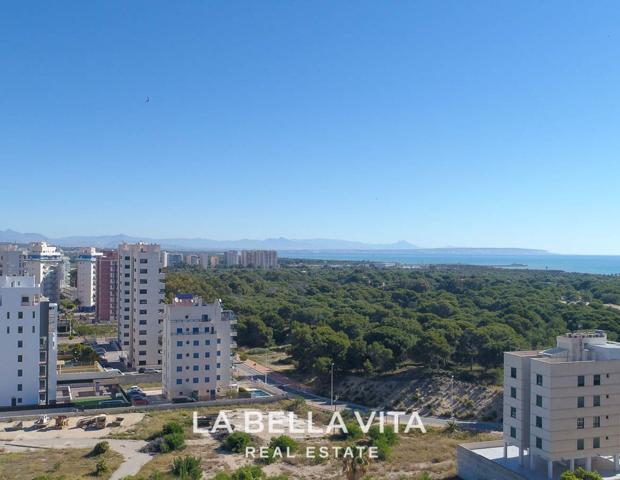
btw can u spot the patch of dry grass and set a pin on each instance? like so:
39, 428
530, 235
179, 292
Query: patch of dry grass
69, 464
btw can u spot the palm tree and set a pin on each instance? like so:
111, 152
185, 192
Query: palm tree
355, 467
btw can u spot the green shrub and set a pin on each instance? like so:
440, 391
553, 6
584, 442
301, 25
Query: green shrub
384, 450
388, 434
187, 467
251, 472
100, 448
171, 427
237, 442
284, 442
172, 441
354, 431
221, 476
101, 467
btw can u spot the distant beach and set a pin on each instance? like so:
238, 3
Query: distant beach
597, 264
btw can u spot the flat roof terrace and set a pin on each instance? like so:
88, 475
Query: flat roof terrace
485, 461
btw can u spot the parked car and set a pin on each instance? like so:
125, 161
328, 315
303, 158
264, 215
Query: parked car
111, 403
138, 401
183, 400
135, 394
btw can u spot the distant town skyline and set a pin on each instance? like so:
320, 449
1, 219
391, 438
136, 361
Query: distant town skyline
473, 124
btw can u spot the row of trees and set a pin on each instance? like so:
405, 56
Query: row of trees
373, 320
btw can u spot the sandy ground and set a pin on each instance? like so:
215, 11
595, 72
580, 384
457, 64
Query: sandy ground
73, 437
28, 433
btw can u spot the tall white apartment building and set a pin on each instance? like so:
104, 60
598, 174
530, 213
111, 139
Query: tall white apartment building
562, 405
259, 258
28, 349
231, 258
198, 340
49, 268
12, 259
87, 276
140, 303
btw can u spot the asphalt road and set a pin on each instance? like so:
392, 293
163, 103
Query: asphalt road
325, 404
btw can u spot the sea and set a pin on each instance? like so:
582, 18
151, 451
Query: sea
596, 264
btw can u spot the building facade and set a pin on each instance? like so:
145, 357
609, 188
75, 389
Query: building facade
197, 348
49, 268
259, 258
86, 276
106, 270
12, 259
231, 258
562, 405
28, 340
140, 303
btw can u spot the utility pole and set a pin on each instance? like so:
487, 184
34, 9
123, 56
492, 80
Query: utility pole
331, 397
452, 397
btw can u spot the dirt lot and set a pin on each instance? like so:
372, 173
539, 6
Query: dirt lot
28, 433
69, 464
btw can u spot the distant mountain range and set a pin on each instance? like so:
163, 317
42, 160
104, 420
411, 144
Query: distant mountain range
282, 244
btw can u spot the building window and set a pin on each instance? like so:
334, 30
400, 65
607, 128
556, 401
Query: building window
539, 379
179, 356
580, 423
580, 444
179, 381
597, 401
539, 443
179, 343
207, 379
195, 368
20, 373
596, 422
581, 381
539, 422
580, 402
20, 315
20, 329
20, 343
195, 380
20, 358
596, 442
179, 369
513, 392
538, 401
513, 372
196, 355
19, 387
597, 379
513, 412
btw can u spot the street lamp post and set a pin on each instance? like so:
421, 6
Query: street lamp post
452, 397
331, 396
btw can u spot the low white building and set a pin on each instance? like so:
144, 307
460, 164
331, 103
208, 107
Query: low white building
28, 347
197, 348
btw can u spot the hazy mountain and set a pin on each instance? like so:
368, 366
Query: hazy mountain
110, 241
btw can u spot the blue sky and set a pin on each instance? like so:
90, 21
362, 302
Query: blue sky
439, 122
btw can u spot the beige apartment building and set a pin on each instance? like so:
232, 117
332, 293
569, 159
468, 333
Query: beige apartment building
197, 348
562, 405
140, 303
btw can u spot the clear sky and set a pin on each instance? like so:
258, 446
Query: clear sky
463, 123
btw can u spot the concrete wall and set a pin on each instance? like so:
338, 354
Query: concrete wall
471, 466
